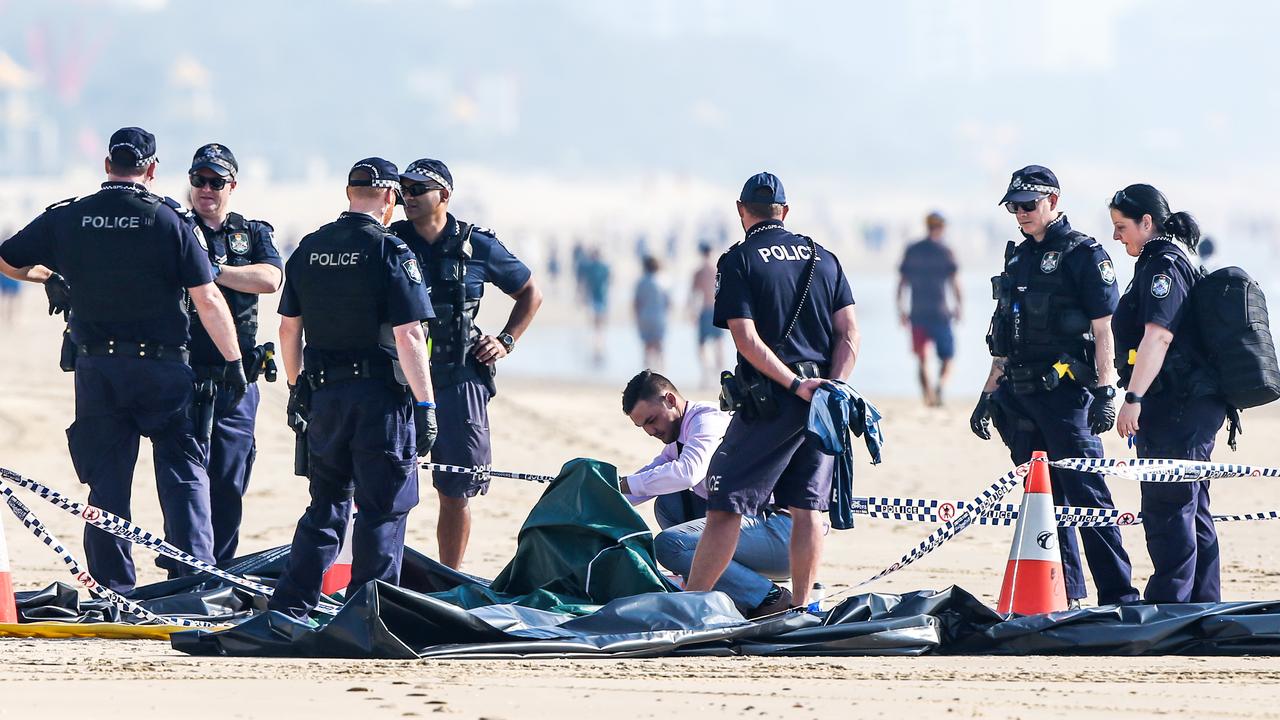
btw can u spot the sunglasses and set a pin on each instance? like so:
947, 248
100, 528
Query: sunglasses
1027, 206
216, 183
417, 189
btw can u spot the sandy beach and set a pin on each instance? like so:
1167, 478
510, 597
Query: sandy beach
537, 426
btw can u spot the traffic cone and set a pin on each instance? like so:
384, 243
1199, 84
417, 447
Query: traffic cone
8, 608
338, 576
1033, 580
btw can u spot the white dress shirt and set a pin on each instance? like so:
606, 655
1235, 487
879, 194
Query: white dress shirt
682, 465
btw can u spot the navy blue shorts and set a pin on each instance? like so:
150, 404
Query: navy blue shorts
759, 458
938, 332
462, 409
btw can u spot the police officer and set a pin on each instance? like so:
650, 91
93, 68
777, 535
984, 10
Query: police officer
127, 254
357, 295
458, 258
245, 264
1172, 408
1050, 382
788, 305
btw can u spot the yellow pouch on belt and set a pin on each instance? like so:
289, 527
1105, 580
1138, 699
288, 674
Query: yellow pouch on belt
1133, 357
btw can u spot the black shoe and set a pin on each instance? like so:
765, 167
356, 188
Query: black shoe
778, 600
1073, 604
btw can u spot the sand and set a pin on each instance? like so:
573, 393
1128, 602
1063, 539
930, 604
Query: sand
537, 426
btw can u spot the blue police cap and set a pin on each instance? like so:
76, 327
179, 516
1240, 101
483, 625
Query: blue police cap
217, 158
432, 172
375, 172
763, 188
1031, 183
132, 147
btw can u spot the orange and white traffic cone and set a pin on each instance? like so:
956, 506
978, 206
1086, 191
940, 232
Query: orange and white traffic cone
8, 607
338, 576
1033, 580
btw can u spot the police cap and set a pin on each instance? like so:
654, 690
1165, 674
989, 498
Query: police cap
132, 147
217, 158
1031, 183
763, 188
376, 172
431, 172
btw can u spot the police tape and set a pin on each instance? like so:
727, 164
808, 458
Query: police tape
127, 530
485, 471
123, 604
925, 510
1164, 470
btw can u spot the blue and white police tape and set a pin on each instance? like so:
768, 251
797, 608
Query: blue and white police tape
127, 530
123, 604
1162, 470
485, 471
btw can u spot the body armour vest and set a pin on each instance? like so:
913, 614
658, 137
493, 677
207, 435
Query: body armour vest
115, 259
453, 330
341, 285
1038, 317
233, 246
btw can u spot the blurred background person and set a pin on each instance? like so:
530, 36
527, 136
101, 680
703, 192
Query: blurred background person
594, 274
928, 268
702, 300
652, 304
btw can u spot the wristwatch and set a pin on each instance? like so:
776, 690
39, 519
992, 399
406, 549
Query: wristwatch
1106, 391
1132, 398
508, 342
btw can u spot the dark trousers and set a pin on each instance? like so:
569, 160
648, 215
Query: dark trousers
362, 446
119, 400
228, 457
1176, 518
1056, 421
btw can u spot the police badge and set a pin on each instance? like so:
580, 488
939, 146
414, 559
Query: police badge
411, 269
1108, 272
239, 243
1049, 262
1160, 285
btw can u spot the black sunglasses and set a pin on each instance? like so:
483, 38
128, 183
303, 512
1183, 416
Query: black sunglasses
417, 189
216, 183
1027, 206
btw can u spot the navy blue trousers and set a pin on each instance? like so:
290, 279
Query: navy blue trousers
1056, 421
119, 400
361, 445
1181, 538
228, 457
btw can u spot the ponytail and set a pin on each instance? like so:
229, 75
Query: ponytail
1184, 227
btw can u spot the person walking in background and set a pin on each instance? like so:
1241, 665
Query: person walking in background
652, 303
702, 300
928, 268
595, 286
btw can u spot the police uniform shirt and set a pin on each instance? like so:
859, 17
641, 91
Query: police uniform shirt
490, 261
762, 278
1162, 279
238, 243
405, 300
111, 218
1088, 268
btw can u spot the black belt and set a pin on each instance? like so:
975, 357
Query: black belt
342, 372
131, 349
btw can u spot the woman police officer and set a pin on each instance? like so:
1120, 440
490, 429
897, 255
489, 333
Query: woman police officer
1171, 409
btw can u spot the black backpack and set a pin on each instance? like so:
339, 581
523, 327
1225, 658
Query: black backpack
1230, 312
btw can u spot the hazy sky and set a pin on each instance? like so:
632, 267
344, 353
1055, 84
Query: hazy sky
929, 94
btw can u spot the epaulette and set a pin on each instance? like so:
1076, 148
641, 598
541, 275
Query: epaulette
62, 203
178, 208
484, 230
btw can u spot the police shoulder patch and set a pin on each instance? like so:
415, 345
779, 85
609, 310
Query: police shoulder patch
238, 243
1049, 261
1161, 284
717, 291
412, 270
1107, 271
195, 228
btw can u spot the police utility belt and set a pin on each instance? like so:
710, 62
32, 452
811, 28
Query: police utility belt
755, 397
1031, 377
342, 372
131, 349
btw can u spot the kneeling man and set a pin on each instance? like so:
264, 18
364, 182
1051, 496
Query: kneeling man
691, 432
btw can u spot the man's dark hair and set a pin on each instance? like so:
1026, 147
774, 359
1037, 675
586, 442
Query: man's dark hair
763, 210
128, 170
647, 385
